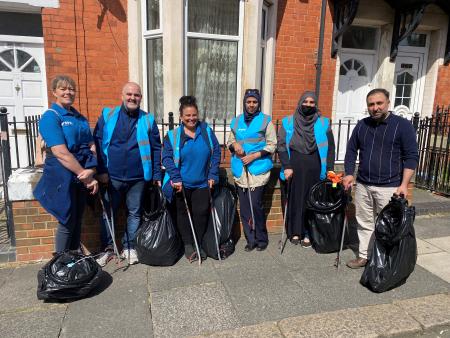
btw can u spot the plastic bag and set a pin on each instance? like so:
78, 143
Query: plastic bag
157, 240
325, 216
225, 209
68, 276
394, 252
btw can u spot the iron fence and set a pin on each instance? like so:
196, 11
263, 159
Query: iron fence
433, 171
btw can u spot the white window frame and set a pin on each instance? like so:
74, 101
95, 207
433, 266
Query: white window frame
148, 35
219, 37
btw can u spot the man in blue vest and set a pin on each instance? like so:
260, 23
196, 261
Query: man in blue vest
129, 155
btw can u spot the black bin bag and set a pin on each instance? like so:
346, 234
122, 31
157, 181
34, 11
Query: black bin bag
325, 216
394, 252
157, 240
68, 276
225, 208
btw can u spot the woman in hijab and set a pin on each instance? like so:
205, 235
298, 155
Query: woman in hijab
306, 151
252, 141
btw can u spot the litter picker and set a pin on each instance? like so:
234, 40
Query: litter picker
252, 220
110, 222
192, 228
348, 199
214, 222
283, 240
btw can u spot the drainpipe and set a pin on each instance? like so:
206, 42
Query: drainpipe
320, 49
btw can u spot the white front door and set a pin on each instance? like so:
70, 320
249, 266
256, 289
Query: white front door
355, 80
408, 84
23, 90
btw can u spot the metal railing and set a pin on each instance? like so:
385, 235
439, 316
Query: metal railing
433, 171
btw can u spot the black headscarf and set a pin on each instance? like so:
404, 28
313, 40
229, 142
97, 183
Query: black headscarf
304, 140
248, 118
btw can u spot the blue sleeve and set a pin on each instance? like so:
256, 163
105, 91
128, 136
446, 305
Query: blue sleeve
98, 139
352, 151
168, 163
50, 129
409, 151
215, 159
155, 142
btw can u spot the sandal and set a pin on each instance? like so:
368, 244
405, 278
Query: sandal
193, 257
295, 240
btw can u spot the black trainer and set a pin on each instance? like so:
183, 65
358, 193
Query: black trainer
249, 247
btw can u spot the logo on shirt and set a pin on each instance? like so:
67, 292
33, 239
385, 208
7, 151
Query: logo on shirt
66, 123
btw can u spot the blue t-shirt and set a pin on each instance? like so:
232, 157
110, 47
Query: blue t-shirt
194, 159
67, 127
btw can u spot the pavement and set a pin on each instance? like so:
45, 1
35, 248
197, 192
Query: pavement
256, 294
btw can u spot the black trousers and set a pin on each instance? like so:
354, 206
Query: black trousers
198, 202
306, 173
259, 235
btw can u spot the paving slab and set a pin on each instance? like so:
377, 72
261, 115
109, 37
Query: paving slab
19, 288
264, 330
119, 307
370, 321
192, 310
429, 311
425, 247
441, 242
437, 263
182, 274
4, 274
432, 226
39, 323
266, 293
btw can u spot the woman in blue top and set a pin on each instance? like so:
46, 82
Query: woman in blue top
191, 156
69, 165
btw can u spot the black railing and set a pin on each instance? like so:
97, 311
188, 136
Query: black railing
433, 172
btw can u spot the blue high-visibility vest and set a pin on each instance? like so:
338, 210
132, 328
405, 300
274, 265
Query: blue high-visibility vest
252, 138
320, 133
144, 127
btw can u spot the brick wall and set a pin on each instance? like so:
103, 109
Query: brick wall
90, 44
442, 96
298, 26
35, 229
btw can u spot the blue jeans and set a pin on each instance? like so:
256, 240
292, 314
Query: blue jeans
68, 235
133, 192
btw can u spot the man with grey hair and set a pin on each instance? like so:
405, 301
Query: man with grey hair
388, 156
129, 155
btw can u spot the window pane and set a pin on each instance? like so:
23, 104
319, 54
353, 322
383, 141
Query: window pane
214, 16
20, 24
4, 67
414, 40
8, 56
398, 102
152, 14
32, 67
212, 76
155, 77
342, 70
407, 90
22, 57
359, 38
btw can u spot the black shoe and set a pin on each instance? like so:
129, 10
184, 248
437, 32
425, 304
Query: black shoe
261, 247
249, 247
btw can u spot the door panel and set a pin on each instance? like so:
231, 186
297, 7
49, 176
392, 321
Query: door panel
23, 89
355, 78
407, 96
